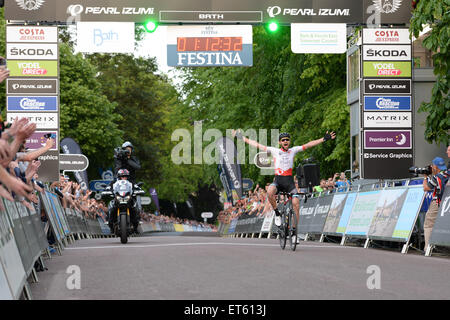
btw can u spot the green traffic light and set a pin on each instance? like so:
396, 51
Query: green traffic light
273, 26
150, 26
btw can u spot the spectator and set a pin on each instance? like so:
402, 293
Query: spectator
342, 184
322, 187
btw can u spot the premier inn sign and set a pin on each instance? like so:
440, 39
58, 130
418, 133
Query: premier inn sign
284, 11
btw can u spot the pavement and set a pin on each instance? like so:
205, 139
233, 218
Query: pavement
181, 267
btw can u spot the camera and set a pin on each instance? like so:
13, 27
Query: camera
120, 153
427, 170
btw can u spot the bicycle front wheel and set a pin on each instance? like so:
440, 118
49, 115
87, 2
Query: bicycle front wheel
283, 231
292, 234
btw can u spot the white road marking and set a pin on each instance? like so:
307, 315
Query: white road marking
199, 244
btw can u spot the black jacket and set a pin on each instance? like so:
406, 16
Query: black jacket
131, 164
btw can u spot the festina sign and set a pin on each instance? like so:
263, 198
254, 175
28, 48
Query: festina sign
284, 11
209, 46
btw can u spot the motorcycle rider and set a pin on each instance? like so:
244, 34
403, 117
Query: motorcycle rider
123, 174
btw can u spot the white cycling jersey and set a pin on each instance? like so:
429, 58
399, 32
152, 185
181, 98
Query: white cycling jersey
284, 160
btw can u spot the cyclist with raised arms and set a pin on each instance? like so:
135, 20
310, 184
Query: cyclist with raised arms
283, 160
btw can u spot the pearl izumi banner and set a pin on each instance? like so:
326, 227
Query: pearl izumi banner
207, 11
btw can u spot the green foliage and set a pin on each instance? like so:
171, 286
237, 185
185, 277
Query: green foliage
303, 94
436, 13
87, 115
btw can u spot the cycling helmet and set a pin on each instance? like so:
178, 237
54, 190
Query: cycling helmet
284, 135
123, 173
127, 144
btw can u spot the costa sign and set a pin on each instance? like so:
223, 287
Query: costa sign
386, 36
32, 51
387, 53
31, 34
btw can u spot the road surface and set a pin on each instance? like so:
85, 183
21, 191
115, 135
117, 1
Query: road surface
204, 268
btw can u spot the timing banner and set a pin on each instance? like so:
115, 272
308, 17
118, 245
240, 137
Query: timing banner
210, 11
441, 230
210, 46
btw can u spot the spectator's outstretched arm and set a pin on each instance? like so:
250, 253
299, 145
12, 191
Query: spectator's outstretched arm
30, 156
14, 184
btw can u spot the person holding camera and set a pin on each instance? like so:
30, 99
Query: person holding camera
124, 159
436, 184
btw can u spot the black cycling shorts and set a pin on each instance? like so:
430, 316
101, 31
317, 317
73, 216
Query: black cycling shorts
285, 184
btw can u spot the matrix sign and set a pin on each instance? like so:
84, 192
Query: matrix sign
209, 46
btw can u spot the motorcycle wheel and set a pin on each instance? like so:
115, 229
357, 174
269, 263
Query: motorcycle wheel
123, 229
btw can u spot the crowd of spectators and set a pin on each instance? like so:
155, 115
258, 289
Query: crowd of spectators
73, 196
337, 183
171, 219
257, 204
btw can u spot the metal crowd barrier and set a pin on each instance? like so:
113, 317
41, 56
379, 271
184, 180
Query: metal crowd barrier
27, 237
373, 212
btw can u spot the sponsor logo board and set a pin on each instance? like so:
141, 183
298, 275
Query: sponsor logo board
387, 139
31, 34
209, 46
32, 51
386, 36
32, 86
318, 38
32, 103
39, 68
387, 52
37, 140
387, 103
387, 119
42, 120
105, 37
387, 86
394, 69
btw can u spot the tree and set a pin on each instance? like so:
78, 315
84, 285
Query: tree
436, 14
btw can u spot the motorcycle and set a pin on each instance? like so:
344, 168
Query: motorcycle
124, 195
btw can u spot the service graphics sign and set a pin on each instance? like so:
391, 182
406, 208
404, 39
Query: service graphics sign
387, 139
32, 86
387, 53
105, 37
210, 46
32, 103
41, 68
387, 119
318, 38
32, 51
393, 103
387, 86
394, 69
